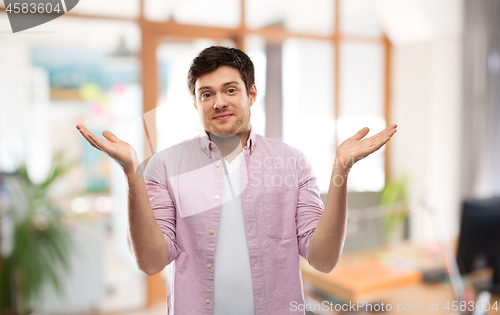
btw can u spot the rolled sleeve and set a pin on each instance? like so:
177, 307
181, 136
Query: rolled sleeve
309, 206
163, 206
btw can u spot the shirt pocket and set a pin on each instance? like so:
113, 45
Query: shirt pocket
278, 210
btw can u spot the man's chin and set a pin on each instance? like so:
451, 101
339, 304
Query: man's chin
222, 132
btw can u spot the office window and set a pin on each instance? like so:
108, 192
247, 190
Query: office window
176, 117
308, 119
361, 104
256, 50
219, 13
311, 17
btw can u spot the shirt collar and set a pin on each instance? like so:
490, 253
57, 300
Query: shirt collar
205, 143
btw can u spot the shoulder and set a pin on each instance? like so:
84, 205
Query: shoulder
276, 147
281, 152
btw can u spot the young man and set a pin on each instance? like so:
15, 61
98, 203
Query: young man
231, 211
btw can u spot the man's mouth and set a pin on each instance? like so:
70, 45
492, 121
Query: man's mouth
223, 116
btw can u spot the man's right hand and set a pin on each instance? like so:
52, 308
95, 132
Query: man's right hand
118, 150
146, 241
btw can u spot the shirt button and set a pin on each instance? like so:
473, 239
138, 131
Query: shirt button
212, 146
246, 193
216, 197
259, 296
217, 164
211, 231
251, 228
208, 301
209, 265
255, 262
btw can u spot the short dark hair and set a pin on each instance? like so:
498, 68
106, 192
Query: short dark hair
213, 57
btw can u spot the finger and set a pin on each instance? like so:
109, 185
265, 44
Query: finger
361, 133
110, 136
382, 142
378, 140
390, 131
82, 129
95, 141
101, 143
372, 147
387, 132
92, 143
89, 140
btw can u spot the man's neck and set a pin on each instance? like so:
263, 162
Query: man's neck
230, 146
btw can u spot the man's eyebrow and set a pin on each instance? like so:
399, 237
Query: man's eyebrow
225, 84
231, 82
204, 88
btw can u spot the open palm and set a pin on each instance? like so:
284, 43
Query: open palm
119, 150
356, 148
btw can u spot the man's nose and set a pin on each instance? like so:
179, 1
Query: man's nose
220, 101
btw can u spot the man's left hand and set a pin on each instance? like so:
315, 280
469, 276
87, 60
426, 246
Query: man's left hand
356, 148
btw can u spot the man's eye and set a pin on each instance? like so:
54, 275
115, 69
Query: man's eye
206, 95
231, 90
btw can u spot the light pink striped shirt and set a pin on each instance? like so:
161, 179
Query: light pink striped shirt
281, 205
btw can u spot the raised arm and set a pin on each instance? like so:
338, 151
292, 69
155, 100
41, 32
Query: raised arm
327, 240
145, 239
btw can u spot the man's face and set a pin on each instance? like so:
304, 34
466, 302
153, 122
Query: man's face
222, 101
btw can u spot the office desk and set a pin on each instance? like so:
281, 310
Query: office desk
414, 298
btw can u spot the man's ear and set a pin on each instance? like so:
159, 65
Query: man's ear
253, 94
194, 103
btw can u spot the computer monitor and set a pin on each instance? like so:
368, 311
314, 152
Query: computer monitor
479, 239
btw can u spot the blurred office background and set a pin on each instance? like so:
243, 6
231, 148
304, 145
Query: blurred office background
324, 70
